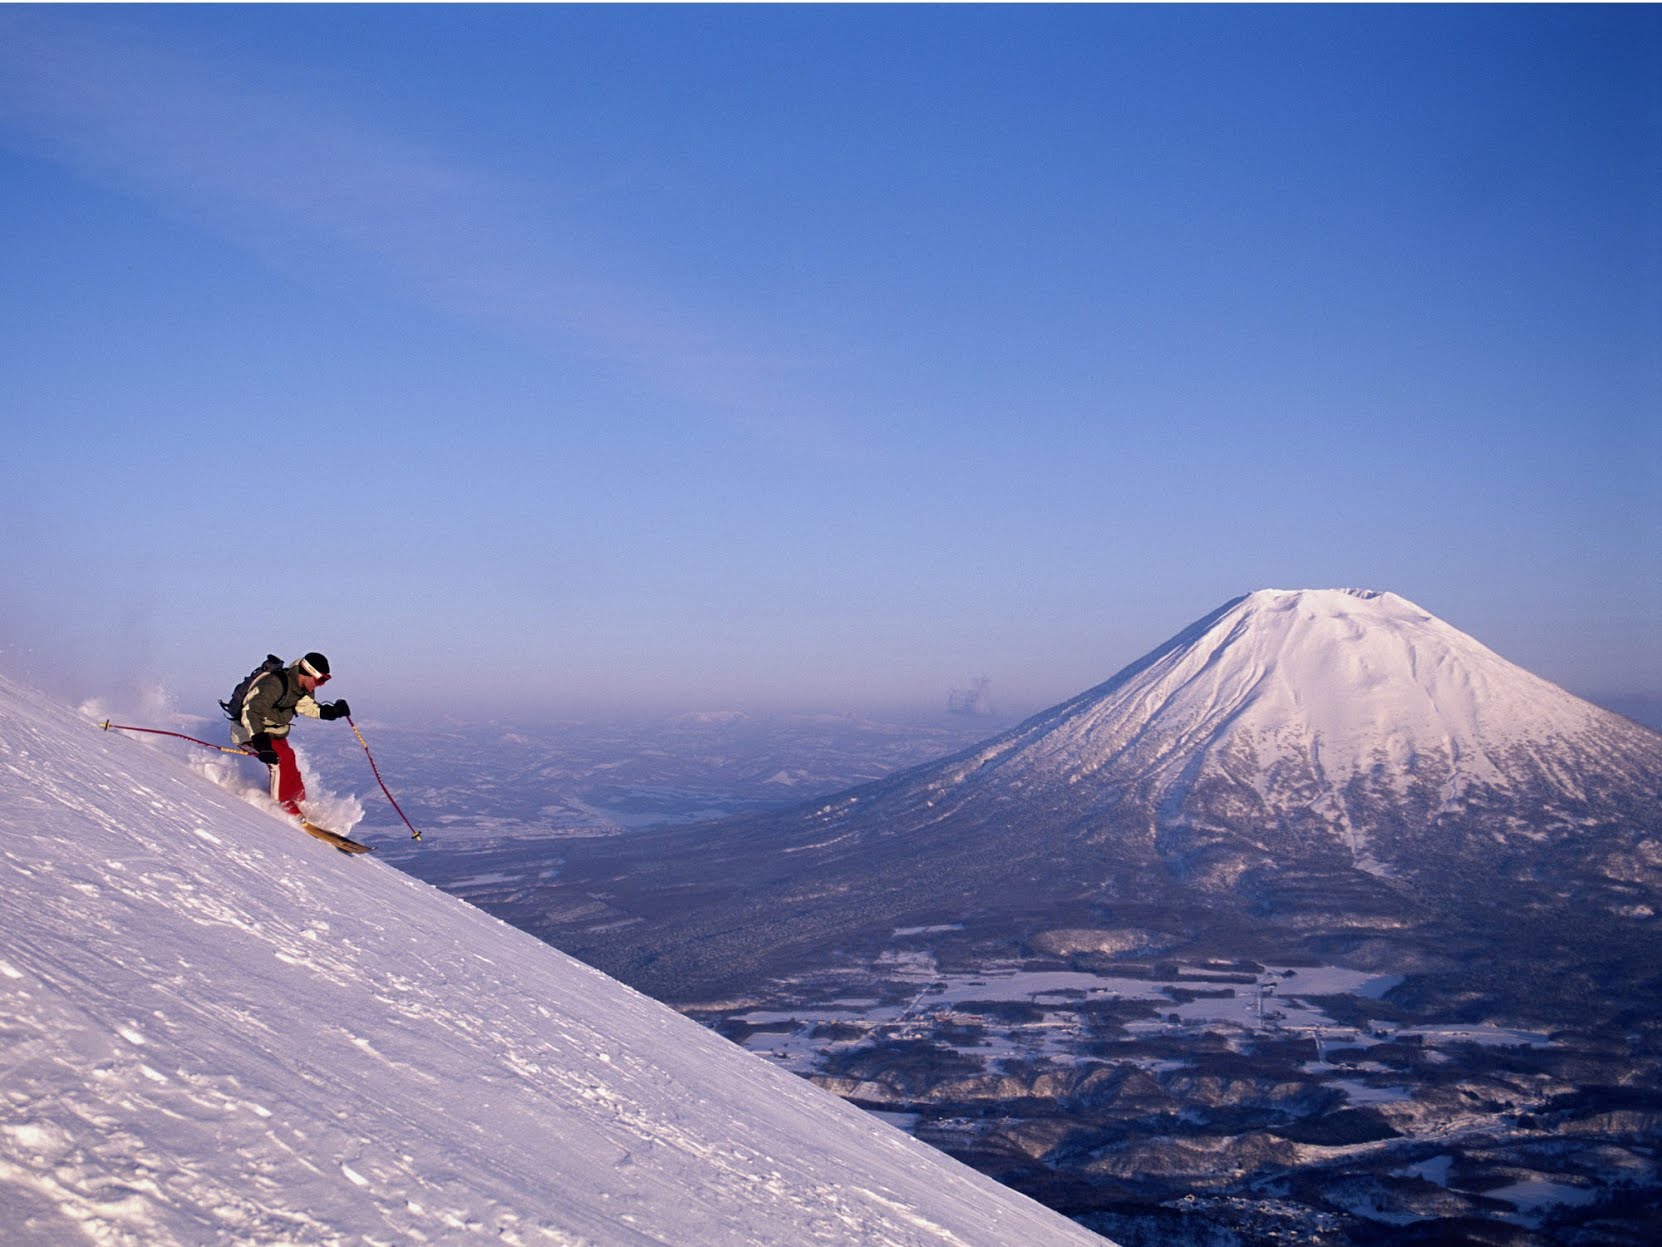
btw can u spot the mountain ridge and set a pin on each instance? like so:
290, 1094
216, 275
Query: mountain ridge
1309, 756
1350, 682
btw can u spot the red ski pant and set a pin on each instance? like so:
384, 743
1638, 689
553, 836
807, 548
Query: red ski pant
287, 788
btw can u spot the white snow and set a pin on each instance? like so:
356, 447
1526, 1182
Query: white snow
216, 1030
1295, 693
1352, 676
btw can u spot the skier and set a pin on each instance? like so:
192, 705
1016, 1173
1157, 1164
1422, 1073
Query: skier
273, 697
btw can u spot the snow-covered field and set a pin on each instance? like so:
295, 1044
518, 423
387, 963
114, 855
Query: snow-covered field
1279, 998
214, 1029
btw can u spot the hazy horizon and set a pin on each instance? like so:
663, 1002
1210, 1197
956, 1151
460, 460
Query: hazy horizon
395, 703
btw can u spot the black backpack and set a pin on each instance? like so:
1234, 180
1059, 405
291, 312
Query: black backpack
232, 706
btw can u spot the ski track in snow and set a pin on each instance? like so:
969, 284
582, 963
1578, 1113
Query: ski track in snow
215, 1030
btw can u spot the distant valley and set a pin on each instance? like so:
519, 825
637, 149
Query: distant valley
1168, 1085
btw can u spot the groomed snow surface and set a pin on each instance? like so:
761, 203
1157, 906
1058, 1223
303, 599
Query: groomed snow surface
216, 1030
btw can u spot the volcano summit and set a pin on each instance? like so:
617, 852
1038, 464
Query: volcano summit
1334, 710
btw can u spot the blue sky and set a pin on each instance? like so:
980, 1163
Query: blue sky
618, 358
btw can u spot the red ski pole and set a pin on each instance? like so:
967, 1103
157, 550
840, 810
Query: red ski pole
156, 731
414, 834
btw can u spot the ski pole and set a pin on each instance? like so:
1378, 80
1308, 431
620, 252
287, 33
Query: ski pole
156, 731
414, 834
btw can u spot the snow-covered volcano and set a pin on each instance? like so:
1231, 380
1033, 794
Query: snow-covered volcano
1324, 758
1338, 706
214, 1029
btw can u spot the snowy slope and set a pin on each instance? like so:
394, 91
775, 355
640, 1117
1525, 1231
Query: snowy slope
216, 1030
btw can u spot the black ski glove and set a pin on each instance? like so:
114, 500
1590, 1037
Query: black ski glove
261, 747
334, 710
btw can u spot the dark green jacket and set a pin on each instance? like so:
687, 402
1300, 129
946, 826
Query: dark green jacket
272, 702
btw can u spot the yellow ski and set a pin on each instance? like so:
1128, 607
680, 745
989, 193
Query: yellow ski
335, 838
